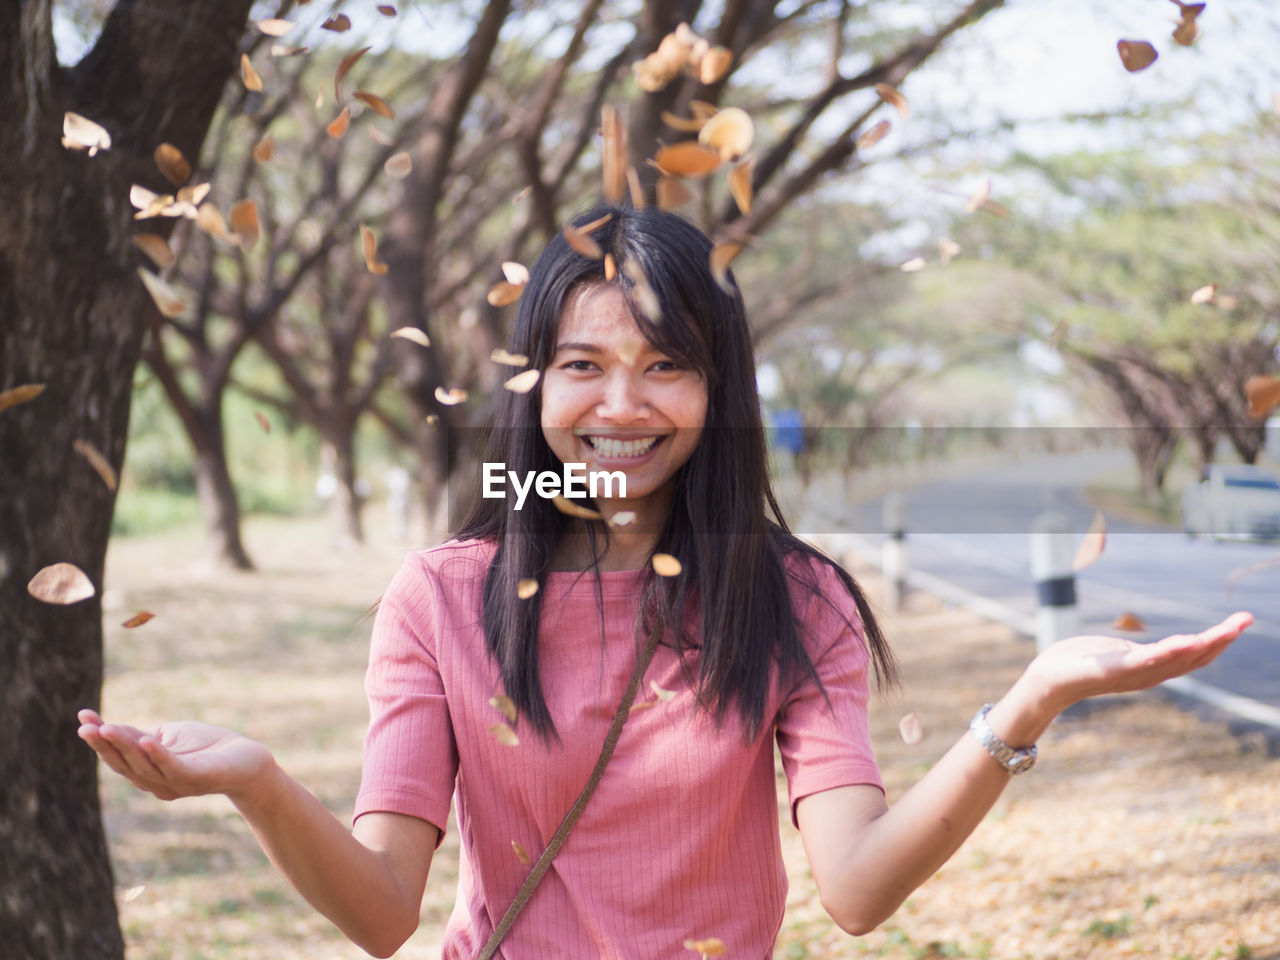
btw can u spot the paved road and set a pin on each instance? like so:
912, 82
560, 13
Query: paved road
973, 532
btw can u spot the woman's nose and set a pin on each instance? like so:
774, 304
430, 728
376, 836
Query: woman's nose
623, 397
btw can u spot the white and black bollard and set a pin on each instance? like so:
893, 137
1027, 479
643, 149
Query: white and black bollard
1052, 558
893, 555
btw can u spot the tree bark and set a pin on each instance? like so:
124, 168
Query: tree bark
219, 504
72, 317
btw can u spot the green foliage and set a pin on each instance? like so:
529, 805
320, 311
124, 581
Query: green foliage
1109, 929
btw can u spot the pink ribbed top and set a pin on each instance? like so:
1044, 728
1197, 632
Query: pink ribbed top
680, 839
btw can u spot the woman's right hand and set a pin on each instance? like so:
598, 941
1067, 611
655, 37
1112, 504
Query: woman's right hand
184, 759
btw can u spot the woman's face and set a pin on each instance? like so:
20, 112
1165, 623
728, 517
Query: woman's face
612, 401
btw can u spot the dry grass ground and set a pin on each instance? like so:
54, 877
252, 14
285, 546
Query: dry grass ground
1144, 831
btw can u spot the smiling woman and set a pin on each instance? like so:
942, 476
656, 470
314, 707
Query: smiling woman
507, 665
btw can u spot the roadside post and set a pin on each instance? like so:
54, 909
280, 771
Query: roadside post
1052, 555
893, 555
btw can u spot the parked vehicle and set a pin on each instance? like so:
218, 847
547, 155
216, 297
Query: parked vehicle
1234, 500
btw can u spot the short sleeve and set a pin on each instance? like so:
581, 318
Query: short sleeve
410, 754
825, 742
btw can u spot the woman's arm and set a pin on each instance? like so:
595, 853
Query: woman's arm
867, 858
369, 882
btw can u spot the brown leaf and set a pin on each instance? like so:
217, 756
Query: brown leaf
613, 162
137, 620
166, 298
520, 853
637, 191
890, 95
505, 705
1092, 545
643, 293
687, 159
1185, 32
249, 75
578, 238
1204, 294
264, 149
340, 23
386, 9
710, 947
504, 735
1263, 394
714, 65
338, 126
209, 219
451, 397
873, 136
344, 67
730, 133
910, 729
610, 268
263, 423
370, 244
722, 254
287, 50
672, 193
1136, 54
412, 334
1128, 621
398, 165
504, 293
519, 197
20, 394
243, 216
375, 103
740, 184
526, 588
62, 584
155, 247
665, 565
522, 382
509, 359
81, 133
569, 508
96, 460
172, 164
275, 27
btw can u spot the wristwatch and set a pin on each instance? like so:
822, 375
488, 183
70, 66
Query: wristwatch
1015, 761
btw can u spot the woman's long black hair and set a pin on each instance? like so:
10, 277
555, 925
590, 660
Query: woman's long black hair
724, 527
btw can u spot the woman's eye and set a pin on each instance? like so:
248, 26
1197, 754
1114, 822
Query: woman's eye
666, 366
577, 365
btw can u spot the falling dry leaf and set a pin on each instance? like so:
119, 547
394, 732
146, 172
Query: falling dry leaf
1263, 394
643, 293
948, 249
873, 136
133, 893
344, 67
375, 103
672, 193
665, 565
629, 350
413, 334
687, 159
722, 254
978, 197
641, 705
138, 619
510, 359
386, 9
96, 460
166, 298
683, 124
1092, 545
524, 192
209, 219
1136, 54
21, 394
172, 164
730, 133
62, 584
1185, 32
909, 727
504, 735
571, 509
398, 165
369, 242
578, 239
249, 75
263, 423
914, 265
81, 133
243, 216
613, 161
526, 588
431, 420
1204, 294
155, 247
890, 95
516, 273
274, 27
661, 693
450, 397
1239, 573
338, 24
610, 268
740, 179
710, 947
522, 382
287, 50
503, 293
714, 64
504, 704
637, 191
520, 853
623, 518
1128, 621
264, 149
338, 127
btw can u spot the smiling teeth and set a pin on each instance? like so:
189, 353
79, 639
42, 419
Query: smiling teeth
608, 447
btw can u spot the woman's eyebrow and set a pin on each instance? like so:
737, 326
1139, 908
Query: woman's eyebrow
585, 347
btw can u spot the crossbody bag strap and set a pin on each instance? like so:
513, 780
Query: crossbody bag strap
570, 818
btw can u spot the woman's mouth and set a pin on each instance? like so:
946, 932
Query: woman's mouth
612, 448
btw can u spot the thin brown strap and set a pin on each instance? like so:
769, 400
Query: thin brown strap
570, 818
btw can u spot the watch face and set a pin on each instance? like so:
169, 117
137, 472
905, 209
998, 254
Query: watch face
1023, 765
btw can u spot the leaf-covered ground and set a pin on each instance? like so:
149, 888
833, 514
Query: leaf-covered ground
1145, 830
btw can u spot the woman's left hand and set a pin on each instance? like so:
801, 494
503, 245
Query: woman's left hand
1089, 666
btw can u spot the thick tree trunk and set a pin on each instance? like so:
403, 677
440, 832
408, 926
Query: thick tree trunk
347, 504
72, 316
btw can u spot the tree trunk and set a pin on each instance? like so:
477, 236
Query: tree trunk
347, 504
219, 504
72, 317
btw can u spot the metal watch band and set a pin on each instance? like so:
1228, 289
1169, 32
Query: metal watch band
1015, 761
